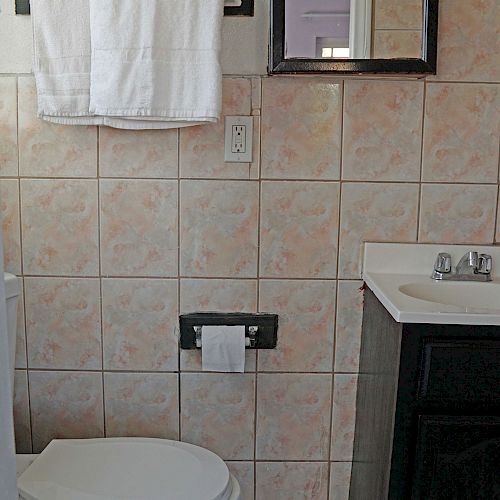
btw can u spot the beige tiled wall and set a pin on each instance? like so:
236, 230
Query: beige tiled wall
117, 232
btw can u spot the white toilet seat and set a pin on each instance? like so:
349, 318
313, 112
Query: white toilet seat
127, 469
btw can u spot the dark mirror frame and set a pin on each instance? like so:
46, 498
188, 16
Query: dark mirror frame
427, 65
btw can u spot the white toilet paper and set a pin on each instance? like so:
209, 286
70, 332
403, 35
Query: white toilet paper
223, 348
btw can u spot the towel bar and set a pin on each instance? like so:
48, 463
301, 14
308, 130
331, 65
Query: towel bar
233, 8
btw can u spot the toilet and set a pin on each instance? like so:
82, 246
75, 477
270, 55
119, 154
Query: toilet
117, 468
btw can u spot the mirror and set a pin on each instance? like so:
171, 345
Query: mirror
353, 36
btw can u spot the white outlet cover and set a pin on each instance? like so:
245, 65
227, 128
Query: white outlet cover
246, 155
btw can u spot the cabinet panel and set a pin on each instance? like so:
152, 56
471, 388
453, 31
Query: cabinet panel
462, 370
457, 458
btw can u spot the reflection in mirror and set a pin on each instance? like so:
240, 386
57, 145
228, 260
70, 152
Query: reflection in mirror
356, 29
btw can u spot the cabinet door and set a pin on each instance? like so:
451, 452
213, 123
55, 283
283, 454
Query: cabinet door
457, 458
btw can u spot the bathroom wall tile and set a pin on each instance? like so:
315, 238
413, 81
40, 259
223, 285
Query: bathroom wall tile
9, 213
292, 481
398, 14
256, 95
244, 474
344, 416
293, 416
457, 213
63, 326
348, 329
389, 44
219, 228
59, 227
306, 312
141, 405
139, 228
301, 128
21, 360
468, 41
50, 150
202, 147
8, 126
22, 425
382, 130
461, 133
139, 322
374, 212
217, 412
65, 405
205, 295
340, 478
299, 229
138, 153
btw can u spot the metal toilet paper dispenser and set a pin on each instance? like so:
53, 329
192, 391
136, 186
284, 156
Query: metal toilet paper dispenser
261, 330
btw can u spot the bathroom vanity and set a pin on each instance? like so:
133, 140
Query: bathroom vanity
428, 403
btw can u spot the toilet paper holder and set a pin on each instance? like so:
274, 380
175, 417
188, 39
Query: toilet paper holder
261, 330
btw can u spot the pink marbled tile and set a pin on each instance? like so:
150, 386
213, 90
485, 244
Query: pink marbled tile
65, 405
139, 321
457, 213
374, 212
306, 325
8, 126
348, 329
139, 228
299, 229
50, 150
202, 147
59, 227
398, 14
11, 226
21, 358
468, 40
389, 44
244, 474
217, 412
293, 416
138, 153
142, 405
343, 417
461, 133
292, 481
63, 326
382, 130
340, 479
219, 228
301, 128
22, 424
206, 295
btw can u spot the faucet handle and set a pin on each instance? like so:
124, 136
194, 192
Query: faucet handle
484, 264
443, 263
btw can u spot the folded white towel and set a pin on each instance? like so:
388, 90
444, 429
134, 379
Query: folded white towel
128, 63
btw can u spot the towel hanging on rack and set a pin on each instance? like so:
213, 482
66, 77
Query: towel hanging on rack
128, 64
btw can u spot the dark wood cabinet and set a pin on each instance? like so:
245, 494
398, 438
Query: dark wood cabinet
428, 411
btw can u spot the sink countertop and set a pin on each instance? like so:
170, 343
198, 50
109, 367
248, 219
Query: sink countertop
388, 267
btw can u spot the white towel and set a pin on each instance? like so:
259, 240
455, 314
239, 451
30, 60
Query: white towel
128, 63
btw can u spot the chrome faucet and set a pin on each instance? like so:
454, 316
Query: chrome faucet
471, 267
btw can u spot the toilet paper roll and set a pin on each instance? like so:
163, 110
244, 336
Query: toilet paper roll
223, 348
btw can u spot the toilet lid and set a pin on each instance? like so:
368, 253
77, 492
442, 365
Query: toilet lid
125, 469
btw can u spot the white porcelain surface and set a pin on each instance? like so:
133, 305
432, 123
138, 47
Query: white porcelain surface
132, 468
399, 276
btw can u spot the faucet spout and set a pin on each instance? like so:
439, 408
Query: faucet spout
468, 264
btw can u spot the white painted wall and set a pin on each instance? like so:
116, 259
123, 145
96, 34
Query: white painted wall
244, 50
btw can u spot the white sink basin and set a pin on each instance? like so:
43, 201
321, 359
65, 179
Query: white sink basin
468, 295
399, 276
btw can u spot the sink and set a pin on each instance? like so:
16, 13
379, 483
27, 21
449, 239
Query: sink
466, 295
399, 276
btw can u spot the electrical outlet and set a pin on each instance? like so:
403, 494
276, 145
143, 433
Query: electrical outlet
238, 139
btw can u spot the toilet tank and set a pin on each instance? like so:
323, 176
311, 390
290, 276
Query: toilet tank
12, 290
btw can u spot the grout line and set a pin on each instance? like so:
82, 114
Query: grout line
179, 353
420, 194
